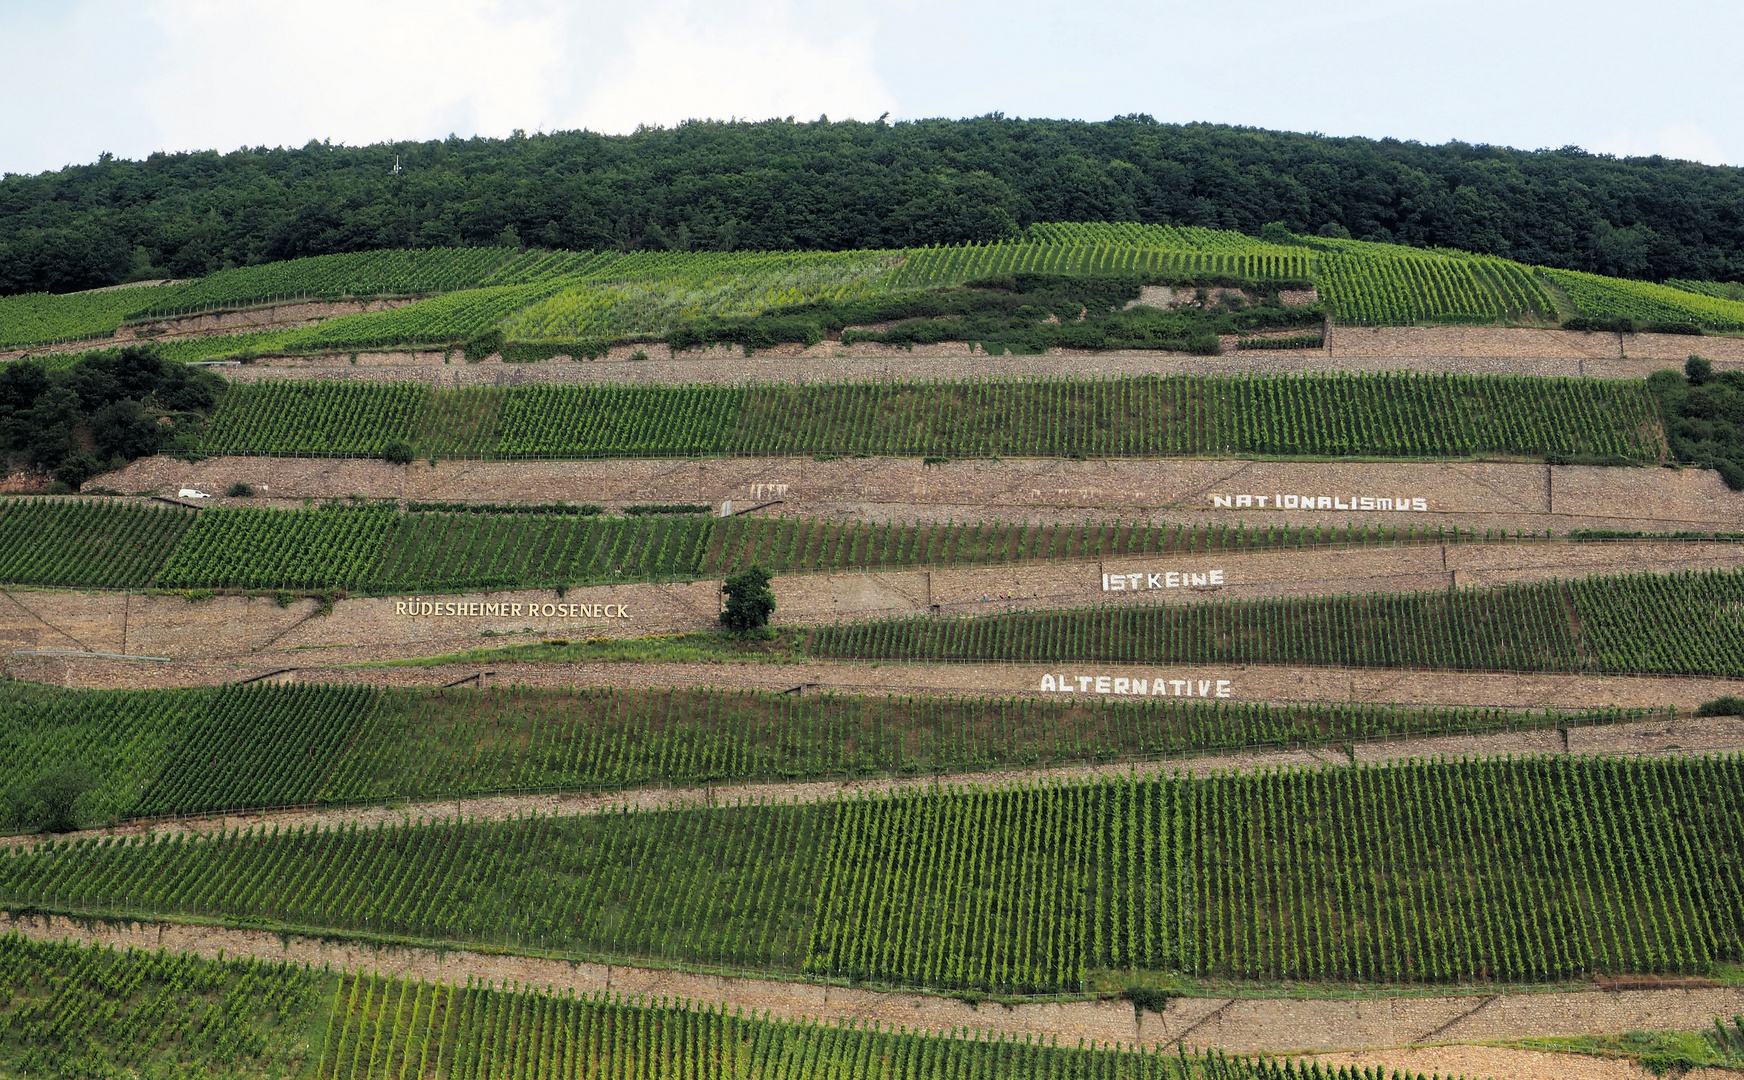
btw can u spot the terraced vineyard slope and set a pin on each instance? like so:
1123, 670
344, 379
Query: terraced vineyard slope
1524, 870
94, 1011
177, 752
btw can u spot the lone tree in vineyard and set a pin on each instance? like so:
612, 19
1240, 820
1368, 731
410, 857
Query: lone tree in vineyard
749, 600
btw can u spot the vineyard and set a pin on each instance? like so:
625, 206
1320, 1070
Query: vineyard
1719, 290
72, 1011
368, 548
590, 299
364, 274
1646, 305
1382, 415
387, 1029
1519, 870
1430, 288
379, 550
67, 1011
41, 318
705, 285
157, 752
97, 543
1676, 624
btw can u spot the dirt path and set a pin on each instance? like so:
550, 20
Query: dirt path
1235, 1025
1679, 737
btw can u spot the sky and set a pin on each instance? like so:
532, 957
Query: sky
84, 77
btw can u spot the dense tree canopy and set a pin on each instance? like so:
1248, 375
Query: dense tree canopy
780, 184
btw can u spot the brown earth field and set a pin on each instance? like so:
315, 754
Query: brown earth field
236, 626
1465, 494
1236, 1025
1663, 737
1467, 350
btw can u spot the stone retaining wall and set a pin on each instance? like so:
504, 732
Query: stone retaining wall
1481, 495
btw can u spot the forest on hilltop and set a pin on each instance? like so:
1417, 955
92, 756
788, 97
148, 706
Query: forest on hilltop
825, 185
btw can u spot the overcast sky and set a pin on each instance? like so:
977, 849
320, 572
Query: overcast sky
86, 76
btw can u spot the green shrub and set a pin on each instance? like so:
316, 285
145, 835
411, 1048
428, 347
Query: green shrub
750, 601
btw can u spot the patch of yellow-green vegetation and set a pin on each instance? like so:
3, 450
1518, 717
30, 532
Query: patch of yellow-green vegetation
1661, 1053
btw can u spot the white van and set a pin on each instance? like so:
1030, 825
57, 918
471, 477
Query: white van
190, 493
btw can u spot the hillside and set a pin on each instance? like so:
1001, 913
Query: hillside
837, 186
556, 653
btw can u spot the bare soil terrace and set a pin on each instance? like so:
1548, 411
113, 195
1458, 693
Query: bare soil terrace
1235, 1025
1466, 350
1479, 495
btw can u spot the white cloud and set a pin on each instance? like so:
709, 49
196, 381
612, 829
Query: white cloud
763, 58
251, 72
1687, 141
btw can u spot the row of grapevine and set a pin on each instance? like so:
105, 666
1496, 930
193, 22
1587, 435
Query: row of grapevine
798, 545
552, 420
73, 1011
1133, 234
1685, 624
250, 548
1535, 869
87, 543
424, 746
1386, 415
44, 318
259, 746
159, 752
97, 1011
1529, 869
1646, 303
315, 416
927, 268
117, 739
1719, 290
415, 272
110, 544
376, 549
1417, 287
388, 1029
440, 320
669, 886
